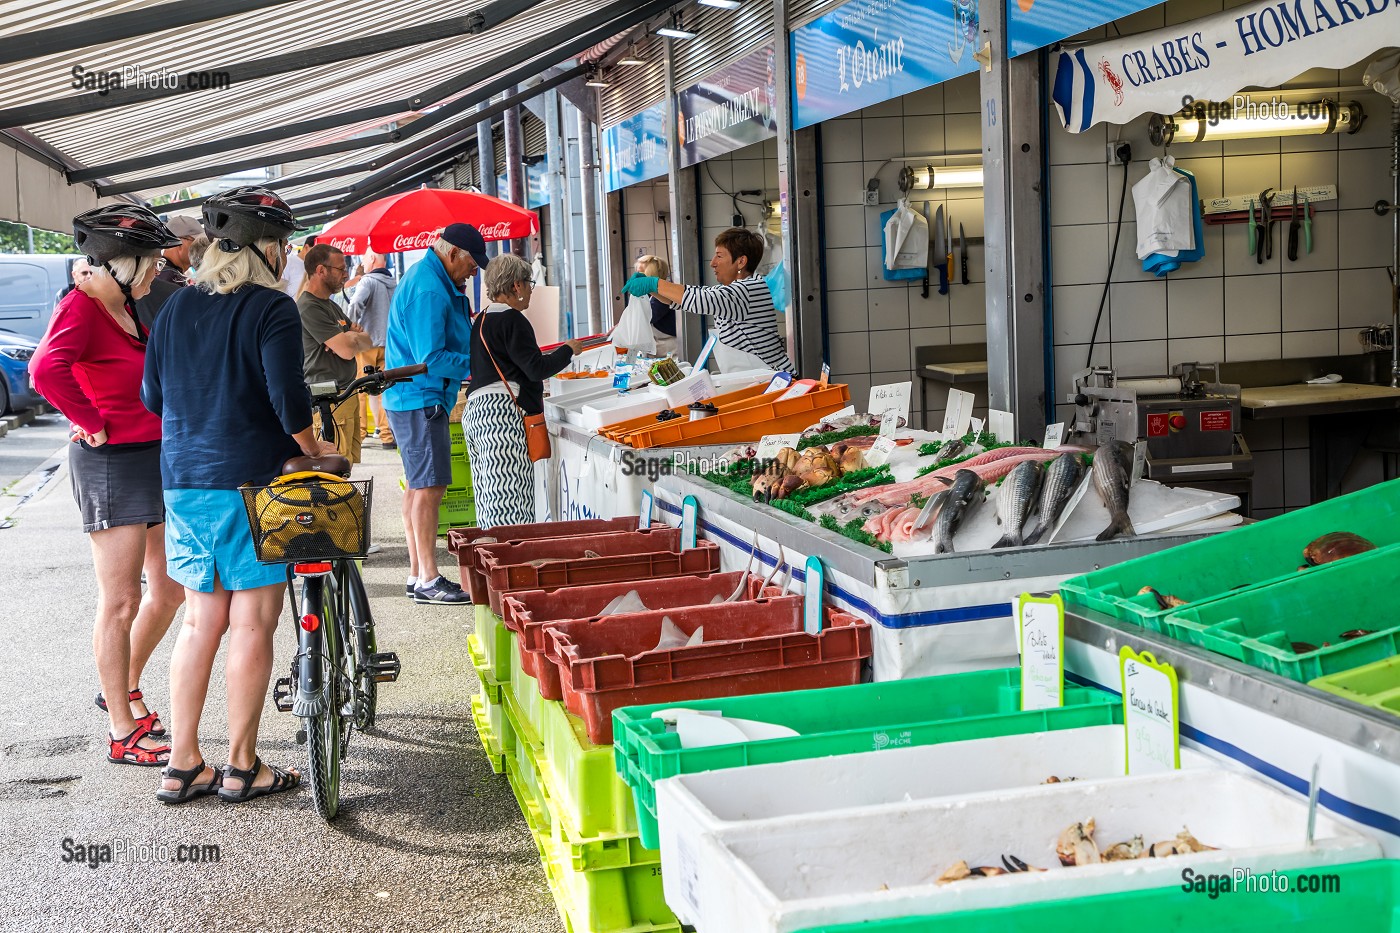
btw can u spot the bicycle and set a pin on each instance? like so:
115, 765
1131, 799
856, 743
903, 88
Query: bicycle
315, 520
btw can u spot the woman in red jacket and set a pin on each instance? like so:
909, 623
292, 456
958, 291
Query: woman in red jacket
89, 366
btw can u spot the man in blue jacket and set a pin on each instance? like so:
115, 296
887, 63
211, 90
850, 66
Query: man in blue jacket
430, 322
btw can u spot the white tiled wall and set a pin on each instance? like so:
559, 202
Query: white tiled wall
1225, 307
645, 234
875, 325
752, 168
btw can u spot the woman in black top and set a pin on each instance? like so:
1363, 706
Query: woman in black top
663, 313
507, 375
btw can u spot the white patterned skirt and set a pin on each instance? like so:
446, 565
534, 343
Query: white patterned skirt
503, 477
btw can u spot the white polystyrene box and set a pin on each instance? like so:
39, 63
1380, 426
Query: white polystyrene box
880, 862
693, 388
694, 805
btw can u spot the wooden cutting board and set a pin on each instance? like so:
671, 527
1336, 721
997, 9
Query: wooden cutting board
1294, 395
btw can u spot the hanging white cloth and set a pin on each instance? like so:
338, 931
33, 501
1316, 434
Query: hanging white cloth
1162, 200
906, 238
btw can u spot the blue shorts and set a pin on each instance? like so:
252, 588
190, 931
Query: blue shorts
425, 446
207, 536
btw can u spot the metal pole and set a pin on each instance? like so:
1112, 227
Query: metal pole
588, 169
515, 169
1013, 205
1395, 244
486, 161
685, 220
560, 217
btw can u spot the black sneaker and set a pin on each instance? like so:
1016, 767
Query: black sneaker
408, 589
441, 590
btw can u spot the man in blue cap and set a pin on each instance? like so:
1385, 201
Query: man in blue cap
430, 322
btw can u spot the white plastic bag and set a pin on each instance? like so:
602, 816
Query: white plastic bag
633, 330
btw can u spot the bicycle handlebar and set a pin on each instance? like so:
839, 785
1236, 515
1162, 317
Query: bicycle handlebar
376, 382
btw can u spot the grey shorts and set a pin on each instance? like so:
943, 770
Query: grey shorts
425, 446
117, 484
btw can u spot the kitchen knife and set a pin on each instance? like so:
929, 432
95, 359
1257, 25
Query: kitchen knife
940, 250
1294, 226
962, 252
1307, 224
928, 268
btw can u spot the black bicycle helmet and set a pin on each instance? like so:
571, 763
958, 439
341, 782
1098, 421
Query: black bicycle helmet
242, 216
106, 233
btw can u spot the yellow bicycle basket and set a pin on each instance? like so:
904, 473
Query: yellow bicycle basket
308, 516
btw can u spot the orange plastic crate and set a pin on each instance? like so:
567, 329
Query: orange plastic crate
750, 647
746, 420
464, 542
618, 430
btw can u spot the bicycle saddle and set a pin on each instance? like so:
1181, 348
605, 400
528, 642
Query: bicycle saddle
334, 464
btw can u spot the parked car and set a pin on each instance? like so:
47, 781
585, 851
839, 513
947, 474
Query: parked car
16, 391
30, 285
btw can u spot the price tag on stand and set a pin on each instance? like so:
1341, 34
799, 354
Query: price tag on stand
977, 425
770, 444
644, 515
705, 353
958, 415
1151, 713
1040, 624
889, 422
880, 451
826, 374
1054, 435
813, 595
690, 522
1139, 461
893, 396
1002, 424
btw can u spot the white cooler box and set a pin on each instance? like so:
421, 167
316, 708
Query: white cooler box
881, 862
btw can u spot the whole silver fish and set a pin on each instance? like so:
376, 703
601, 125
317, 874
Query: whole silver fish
1111, 480
951, 449
963, 497
1016, 499
1062, 478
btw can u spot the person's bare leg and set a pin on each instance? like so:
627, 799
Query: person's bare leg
252, 623
206, 620
117, 555
409, 497
163, 598
426, 504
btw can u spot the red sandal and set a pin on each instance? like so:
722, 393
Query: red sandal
127, 752
149, 720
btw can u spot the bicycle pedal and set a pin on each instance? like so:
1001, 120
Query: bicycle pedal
348, 710
383, 666
282, 694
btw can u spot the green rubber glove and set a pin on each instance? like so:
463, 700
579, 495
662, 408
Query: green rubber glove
640, 286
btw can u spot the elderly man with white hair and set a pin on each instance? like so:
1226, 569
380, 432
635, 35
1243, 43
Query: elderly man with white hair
430, 323
369, 308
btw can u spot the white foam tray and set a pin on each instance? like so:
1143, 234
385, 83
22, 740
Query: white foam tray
879, 862
613, 408
693, 806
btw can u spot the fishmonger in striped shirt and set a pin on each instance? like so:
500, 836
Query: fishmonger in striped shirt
741, 306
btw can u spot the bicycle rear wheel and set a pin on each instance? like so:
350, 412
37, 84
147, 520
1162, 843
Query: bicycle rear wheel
361, 628
324, 730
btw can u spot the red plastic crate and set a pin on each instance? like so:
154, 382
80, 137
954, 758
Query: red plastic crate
609, 558
464, 542
527, 612
752, 647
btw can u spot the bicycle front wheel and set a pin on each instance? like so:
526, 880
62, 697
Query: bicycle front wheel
323, 730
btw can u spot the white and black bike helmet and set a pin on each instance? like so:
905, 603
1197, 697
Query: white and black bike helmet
106, 233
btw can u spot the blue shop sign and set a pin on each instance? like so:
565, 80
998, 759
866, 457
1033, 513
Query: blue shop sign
869, 51
731, 108
1035, 24
536, 185
635, 149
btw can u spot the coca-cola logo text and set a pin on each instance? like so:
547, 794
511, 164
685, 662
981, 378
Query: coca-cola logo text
422, 240
346, 244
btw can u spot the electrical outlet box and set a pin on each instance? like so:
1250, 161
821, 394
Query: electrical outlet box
871, 198
1116, 152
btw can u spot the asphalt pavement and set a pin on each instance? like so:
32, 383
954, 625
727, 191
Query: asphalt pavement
428, 837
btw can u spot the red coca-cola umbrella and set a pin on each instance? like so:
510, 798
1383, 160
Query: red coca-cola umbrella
413, 220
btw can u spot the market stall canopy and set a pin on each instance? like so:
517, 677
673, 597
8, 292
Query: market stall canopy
412, 220
1261, 44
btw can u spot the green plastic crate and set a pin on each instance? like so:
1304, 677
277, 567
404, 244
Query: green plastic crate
495, 640
1374, 685
1367, 901
1251, 555
458, 439
461, 472
458, 509
490, 684
584, 853
488, 718
844, 720
1259, 625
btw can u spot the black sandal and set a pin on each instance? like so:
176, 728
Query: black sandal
149, 720
188, 790
282, 780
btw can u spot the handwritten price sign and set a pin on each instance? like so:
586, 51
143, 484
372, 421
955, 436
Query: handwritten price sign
1041, 625
1151, 713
